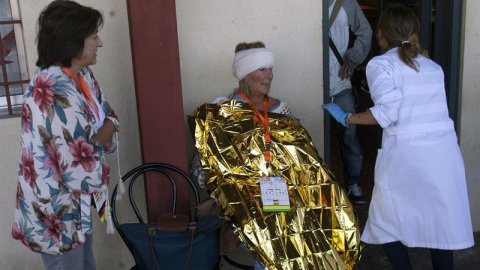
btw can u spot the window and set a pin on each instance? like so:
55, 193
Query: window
13, 73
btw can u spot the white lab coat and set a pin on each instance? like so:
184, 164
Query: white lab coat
420, 196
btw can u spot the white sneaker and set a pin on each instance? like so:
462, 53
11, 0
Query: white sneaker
355, 194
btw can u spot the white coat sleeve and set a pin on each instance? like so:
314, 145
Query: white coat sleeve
385, 95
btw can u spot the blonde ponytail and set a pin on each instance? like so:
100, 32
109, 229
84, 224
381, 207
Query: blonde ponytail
409, 50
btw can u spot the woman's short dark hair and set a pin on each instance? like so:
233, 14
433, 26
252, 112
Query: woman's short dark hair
63, 27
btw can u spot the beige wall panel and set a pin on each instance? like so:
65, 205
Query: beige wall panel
208, 31
470, 107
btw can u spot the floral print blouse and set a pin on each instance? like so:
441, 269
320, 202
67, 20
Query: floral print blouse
61, 165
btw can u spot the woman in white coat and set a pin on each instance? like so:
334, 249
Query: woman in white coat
420, 197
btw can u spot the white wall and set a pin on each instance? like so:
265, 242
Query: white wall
209, 30
470, 107
115, 75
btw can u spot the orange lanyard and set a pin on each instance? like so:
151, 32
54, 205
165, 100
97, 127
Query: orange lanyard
83, 88
264, 121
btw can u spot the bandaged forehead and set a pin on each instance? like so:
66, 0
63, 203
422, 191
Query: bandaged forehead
249, 60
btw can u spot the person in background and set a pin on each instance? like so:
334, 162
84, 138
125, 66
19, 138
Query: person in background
253, 68
349, 18
420, 197
67, 126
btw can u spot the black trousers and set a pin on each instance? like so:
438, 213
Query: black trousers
397, 254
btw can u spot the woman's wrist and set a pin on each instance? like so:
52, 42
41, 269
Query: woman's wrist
347, 120
105, 133
114, 122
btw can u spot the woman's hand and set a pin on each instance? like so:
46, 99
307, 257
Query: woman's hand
105, 133
336, 112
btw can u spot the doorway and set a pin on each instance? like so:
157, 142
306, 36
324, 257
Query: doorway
440, 34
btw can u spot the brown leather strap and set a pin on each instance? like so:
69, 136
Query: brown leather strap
153, 231
192, 233
336, 9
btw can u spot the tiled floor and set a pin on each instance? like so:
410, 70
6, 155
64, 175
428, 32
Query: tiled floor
374, 259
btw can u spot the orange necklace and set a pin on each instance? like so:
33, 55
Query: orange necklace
83, 89
264, 120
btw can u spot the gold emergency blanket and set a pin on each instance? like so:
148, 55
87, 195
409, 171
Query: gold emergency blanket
319, 232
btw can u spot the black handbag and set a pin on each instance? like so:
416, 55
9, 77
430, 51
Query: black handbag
174, 242
193, 247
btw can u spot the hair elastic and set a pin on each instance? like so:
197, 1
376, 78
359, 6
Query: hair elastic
405, 41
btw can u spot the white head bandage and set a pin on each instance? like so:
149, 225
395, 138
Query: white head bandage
249, 60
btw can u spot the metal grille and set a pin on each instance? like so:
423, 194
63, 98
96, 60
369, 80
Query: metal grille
13, 75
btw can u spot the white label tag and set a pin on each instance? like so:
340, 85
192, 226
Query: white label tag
274, 194
100, 200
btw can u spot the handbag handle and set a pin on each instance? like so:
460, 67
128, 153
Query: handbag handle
192, 227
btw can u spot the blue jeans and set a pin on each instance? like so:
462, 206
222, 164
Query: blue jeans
79, 258
350, 150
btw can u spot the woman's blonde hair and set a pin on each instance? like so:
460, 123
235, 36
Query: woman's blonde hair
401, 28
242, 85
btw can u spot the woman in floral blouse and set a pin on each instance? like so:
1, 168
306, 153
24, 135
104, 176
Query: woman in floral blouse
66, 128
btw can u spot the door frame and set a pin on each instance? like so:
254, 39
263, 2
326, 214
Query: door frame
156, 68
326, 82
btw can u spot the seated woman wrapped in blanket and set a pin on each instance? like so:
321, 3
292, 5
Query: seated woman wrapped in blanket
263, 169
